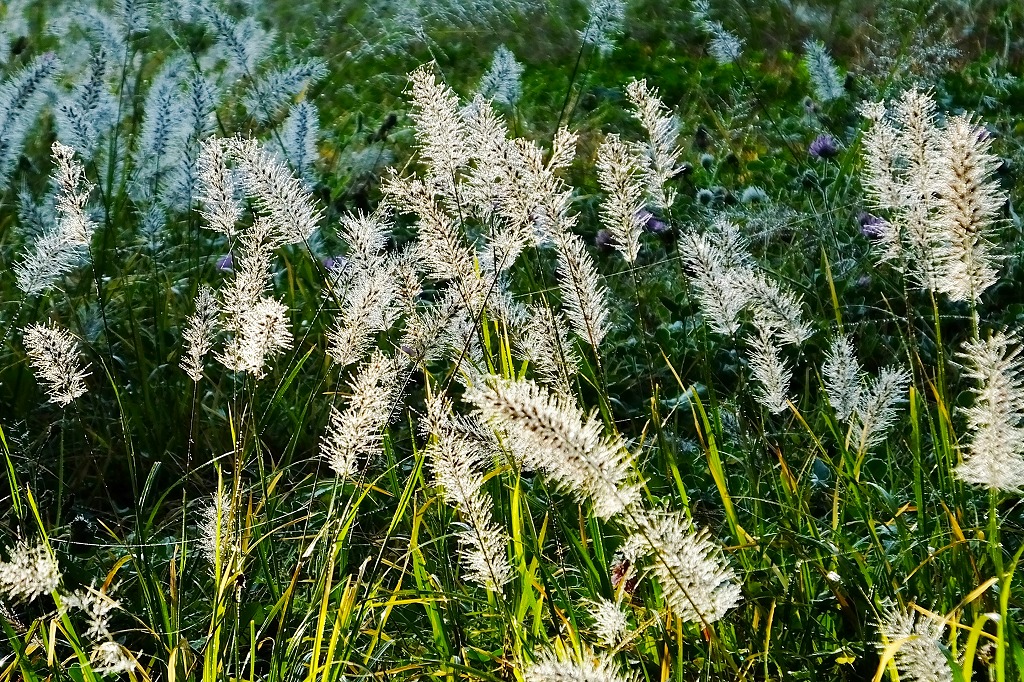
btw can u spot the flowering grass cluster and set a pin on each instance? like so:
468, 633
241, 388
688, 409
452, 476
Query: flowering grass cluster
608, 341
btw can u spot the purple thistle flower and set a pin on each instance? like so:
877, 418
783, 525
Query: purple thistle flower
226, 263
824, 147
335, 263
652, 224
871, 226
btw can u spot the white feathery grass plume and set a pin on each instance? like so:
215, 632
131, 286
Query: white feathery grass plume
995, 449
725, 47
299, 136
219, 538
86, 114
621, 174
219, 188
501, 83
97, 606
584, 297
256, 325
591, 667
440, 133
61, 248
919, 656
825, 77
242, 44
495, 187
969, 202
270, 94
55, 357
440, 245
199, 333
110, 658
879, 406
545, 343
844, 378
611, 623
604, 22
161, 139
199, 103
458, 465
357, 432
718, 277
278, 194
769, 370
697, 581
777, 308
661, 150
549, 433
371, 288
30, 571
22, 96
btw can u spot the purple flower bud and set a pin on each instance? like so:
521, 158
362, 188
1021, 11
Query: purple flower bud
871, 226
335, 263
824, 147
226, 263
652, 224
604, 240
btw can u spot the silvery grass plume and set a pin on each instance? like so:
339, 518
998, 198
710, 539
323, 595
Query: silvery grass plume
936, 187
65, 244
696, 580
725, 47
97, 606
298, 140
55, 357
219, 189
22, 96
200, 332
919, 655
717, 278
277, 194
770, 371
219, 539
458, 464
825, 77
549, 433
161, 137
501, 83
440, 133
604, 23
357, 432
660, 150
86, 114
544, 341
111, 658
30, 571
271, 93
621, 174
610, 621
777, 308
727, 282
371, 287
869, 406
242, 44
199, 105
969, 203
589, 667
996, 419
256, 325
584, 296
844, 378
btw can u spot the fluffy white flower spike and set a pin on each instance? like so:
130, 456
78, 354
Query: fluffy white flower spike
54, 354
